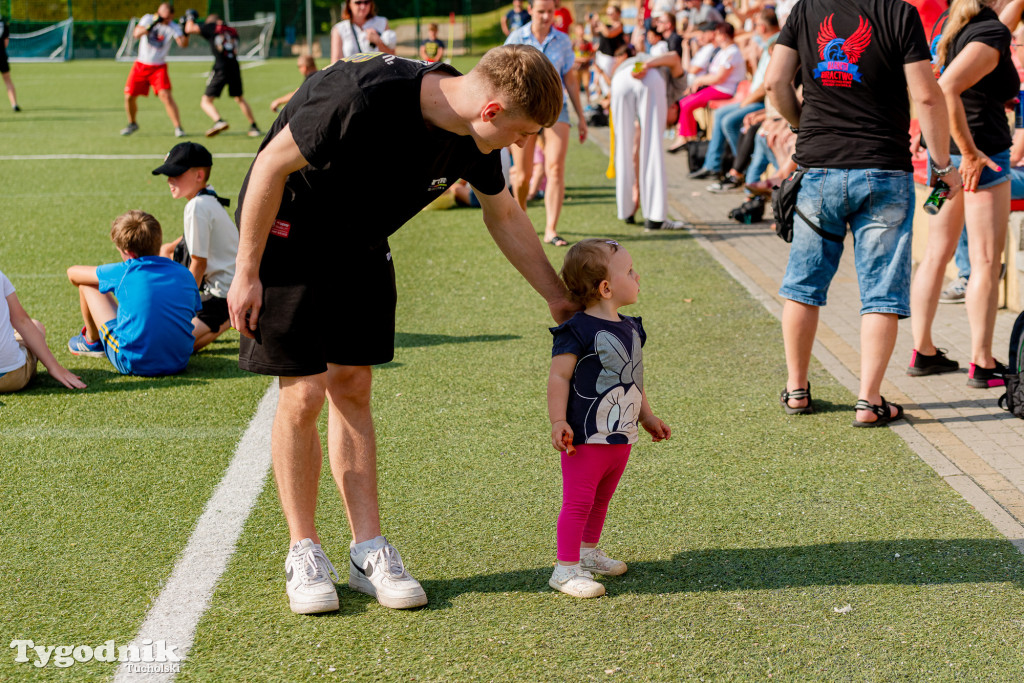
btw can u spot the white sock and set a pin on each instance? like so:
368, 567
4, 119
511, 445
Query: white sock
586, 551
359, 551
567, 567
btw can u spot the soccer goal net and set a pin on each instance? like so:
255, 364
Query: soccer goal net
50, 44
253, 38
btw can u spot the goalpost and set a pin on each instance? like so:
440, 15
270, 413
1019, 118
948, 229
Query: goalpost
50, 44
253, 43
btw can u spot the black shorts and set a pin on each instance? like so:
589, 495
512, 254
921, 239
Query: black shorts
219, 78
322, 306
5, 67
214, 313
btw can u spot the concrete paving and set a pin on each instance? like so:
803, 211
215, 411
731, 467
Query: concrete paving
974, 445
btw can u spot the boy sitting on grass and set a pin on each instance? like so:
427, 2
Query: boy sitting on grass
23, 345
210, 241
147, 329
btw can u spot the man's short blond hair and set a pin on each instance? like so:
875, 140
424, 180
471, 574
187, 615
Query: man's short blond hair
137, 232
526, 80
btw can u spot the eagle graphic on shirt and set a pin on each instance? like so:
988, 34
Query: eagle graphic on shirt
838, 68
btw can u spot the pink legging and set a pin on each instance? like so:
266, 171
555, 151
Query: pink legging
589, 479
691, 103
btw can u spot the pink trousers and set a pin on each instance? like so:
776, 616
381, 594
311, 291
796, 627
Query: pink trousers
691, 103
589, 479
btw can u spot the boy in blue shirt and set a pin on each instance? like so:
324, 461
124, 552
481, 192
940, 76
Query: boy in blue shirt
147, 329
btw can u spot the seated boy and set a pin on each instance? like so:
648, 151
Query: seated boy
147, 329
432, 49
210, 241
23, 345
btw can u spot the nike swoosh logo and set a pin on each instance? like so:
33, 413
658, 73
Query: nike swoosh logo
289, 574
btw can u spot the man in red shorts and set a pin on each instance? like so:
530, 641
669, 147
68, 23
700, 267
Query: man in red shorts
154, 33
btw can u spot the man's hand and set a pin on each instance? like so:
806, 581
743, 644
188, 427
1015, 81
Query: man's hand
245, 298
563, 309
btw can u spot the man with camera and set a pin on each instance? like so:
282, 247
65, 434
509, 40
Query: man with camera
154, 33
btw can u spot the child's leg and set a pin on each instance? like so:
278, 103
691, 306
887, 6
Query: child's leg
246, 110
204, 335
613, 460
581, 474
97, 308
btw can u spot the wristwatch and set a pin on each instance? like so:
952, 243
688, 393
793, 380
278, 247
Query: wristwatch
943, 172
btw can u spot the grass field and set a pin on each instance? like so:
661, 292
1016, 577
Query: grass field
748, 534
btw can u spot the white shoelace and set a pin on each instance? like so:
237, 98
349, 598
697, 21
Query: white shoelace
314, 563
387, 557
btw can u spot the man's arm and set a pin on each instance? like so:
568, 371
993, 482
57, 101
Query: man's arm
778, 82
572, 85
271, 168
932, 115
512, 231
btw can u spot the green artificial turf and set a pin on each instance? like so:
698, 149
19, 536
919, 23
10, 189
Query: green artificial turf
745, 533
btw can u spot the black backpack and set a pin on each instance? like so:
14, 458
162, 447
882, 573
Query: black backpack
1013, 399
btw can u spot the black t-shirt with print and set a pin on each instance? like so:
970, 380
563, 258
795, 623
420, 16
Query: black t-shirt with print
856, 113
5, 32
223, 43
374, 163
985, 101
607, 384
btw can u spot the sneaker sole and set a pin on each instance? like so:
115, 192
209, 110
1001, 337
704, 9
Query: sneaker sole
214, 131
361, 584
315, 606
985, 383
561, 589
89, 354
595, 570
921, 372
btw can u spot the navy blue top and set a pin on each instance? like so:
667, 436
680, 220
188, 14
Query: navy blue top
607, 383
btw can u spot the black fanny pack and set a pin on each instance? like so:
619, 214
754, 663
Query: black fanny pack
785, 209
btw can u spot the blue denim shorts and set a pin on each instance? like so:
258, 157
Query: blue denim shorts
878, 207
989, 178
563, 117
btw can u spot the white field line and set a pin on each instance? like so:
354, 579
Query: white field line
186, 595
111, 157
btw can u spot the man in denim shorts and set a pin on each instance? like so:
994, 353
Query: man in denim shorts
856, 58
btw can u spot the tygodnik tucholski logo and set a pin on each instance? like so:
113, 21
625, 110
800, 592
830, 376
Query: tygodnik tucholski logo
146, 656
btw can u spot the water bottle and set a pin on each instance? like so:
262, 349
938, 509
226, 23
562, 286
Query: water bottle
1018, 111
937, 198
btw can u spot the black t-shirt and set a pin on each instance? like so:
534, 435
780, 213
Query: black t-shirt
608, 46
856, 113
5, 33
675, 43
985, 101
223, 43
373, 161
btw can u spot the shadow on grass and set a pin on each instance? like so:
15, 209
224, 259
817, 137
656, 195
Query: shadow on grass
408, 340
908, 562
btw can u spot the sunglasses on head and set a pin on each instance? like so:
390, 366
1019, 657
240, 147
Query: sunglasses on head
361, 2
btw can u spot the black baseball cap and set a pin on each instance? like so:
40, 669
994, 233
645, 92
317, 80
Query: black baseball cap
183, 156
707, 26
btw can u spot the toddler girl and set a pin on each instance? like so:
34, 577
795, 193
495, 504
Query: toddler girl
595, 401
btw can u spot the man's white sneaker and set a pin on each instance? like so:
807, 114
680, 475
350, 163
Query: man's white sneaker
217, 127
308, 574
575, 581
382, 574
597, 562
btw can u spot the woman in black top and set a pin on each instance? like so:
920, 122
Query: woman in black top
610, 37
978, 79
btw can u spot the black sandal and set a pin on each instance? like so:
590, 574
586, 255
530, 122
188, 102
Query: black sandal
882, 412
797, 395
557, 241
